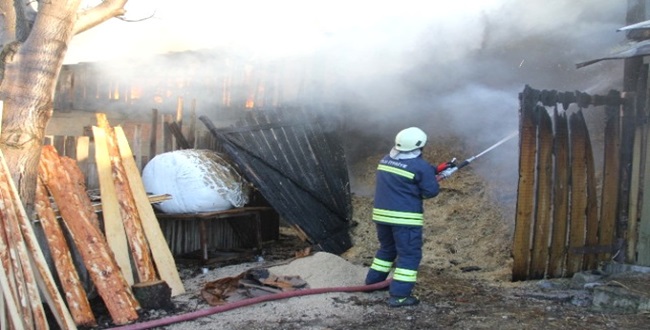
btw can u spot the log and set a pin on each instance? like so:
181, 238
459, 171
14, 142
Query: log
13, 210
92, 245
44, 279
160, 251
10, 289
29, 299
97, 207
140, 253
153, 295
8, 306
78, 184
75, 294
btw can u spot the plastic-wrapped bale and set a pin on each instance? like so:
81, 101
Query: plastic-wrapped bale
197, 180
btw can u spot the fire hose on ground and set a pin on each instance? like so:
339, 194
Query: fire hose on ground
247, 302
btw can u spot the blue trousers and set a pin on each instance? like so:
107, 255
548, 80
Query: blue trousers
402, 244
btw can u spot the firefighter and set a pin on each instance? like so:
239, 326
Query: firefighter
403, 180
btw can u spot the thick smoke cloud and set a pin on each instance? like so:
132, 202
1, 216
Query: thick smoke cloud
451, 67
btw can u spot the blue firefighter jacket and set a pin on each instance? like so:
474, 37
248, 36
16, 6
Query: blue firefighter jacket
400, 188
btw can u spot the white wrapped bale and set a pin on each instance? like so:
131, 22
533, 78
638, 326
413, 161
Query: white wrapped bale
197, 180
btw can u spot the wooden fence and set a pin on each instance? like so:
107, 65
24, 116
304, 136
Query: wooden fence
569, 218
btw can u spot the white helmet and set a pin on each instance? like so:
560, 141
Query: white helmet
410, 139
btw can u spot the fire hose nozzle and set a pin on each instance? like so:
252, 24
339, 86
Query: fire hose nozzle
447, 173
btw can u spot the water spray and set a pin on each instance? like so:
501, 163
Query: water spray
448, 172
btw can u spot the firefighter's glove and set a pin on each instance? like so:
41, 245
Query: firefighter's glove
446, 165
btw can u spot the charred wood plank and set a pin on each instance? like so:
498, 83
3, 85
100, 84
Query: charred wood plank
191, 134
642, 243
137, 147
153, 137
592, 221
168, 143
611, 168
640, 124
153, 295
627, 128
557, 258
332, 164
542, 226
59, 143
181, 142
70, 145
594, 249
292, 197
578, 193
525, 190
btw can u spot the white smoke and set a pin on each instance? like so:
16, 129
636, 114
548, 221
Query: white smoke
451, 67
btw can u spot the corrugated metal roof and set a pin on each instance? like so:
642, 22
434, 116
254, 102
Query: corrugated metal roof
637, 31
634, 50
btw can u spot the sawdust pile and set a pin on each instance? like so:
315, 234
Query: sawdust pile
465, 233
314, 271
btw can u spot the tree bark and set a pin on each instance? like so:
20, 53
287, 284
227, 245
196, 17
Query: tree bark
29, 70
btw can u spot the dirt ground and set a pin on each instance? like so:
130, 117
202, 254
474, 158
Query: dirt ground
463, 283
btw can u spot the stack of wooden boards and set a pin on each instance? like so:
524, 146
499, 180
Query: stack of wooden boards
130, 235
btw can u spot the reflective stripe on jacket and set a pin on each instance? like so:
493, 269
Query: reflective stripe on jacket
400, 188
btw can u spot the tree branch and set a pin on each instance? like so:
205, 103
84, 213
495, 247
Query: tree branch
99, 14
7, 21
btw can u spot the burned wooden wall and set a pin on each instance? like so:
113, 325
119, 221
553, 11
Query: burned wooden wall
570, 218
296, 161
225, 83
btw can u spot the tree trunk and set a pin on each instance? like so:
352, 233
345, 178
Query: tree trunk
31, 71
